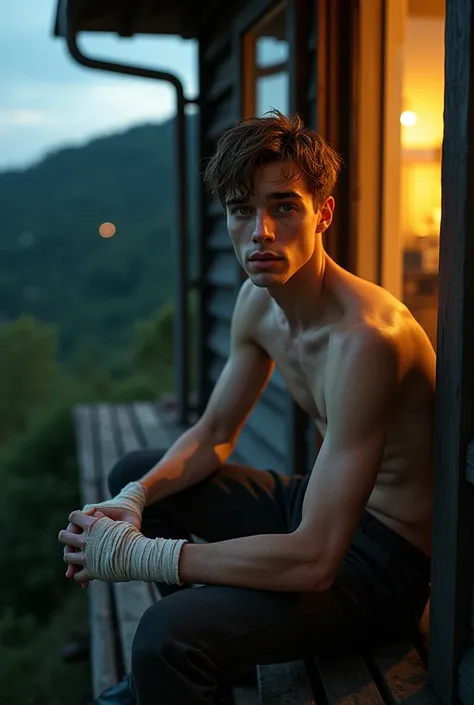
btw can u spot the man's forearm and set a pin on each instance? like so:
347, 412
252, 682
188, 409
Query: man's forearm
265, 562
194, 456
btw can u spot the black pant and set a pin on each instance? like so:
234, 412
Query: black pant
195, 639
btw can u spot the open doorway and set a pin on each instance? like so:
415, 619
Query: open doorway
421, 137
400, 116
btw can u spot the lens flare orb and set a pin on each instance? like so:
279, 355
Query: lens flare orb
107, 230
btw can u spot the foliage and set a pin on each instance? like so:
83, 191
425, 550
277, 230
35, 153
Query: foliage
154, 347
55, 267
31, 672
28, 371
40, 485
70, 335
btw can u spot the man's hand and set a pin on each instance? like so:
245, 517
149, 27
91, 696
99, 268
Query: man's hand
74, 539
127, 506
117, 514
72, 528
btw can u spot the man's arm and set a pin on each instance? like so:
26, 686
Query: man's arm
360, 400
209, 443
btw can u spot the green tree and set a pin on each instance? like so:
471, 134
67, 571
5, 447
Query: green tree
29, 374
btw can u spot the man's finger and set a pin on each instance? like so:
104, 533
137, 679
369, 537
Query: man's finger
80, 519
75, 529
75, 558
82, 576
69, 549
70, 539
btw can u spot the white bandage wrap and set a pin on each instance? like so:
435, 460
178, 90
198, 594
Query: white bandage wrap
131, 498
117, 552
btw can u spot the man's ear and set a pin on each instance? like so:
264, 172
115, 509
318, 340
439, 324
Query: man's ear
327, 211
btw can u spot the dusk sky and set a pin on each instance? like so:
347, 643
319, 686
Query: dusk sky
48, 101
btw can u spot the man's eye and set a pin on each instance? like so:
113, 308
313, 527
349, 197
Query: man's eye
241, 210
288, 206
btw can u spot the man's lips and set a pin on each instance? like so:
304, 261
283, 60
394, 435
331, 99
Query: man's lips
263, 257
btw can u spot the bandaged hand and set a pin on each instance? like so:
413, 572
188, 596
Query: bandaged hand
130, 500
116, 551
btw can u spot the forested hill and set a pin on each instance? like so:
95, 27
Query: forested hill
53, 263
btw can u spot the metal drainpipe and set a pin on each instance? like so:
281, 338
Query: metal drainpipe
68, 24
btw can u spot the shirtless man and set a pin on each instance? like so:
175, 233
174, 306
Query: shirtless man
294, 566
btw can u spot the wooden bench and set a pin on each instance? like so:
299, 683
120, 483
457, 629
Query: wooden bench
391, 674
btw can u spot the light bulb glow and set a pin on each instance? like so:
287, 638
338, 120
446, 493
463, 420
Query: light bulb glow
408, 118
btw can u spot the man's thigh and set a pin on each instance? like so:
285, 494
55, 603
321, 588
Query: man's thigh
236, 500
232, 628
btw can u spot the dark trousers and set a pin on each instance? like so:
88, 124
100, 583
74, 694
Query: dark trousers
194, 640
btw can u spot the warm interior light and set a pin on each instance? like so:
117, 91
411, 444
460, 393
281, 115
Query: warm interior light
408, 118
437, 217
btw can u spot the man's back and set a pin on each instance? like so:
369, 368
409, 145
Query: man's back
308, 361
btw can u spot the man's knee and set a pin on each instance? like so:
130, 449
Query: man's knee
173, 651
175, 625
127, 469
163, 633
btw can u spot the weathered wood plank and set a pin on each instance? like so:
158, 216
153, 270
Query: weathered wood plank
89, 481
168, 418
466, 678
347, 681
130, 438
472, 616
423, 640
103, 657
246, 695
256, 451
453, 531
470, 462
403, 673
221, 304
154, 431
131, 599
284, 684
221, 271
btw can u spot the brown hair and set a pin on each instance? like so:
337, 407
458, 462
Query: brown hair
274, 137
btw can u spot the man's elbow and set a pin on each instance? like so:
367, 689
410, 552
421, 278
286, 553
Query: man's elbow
315, 577
315, 572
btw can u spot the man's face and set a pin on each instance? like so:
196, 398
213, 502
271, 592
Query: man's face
275, 231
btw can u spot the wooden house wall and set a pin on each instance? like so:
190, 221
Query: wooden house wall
276, 434
451, 662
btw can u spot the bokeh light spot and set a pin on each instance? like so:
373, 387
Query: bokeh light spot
107, 230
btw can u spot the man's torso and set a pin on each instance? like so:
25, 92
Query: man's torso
402, 496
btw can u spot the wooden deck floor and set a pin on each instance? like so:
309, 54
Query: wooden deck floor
394, 674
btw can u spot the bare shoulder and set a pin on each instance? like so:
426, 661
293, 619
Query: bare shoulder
379, 330
363, 348
250, 309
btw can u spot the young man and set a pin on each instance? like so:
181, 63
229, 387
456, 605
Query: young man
294, 566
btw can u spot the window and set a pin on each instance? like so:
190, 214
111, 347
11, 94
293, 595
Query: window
266, 53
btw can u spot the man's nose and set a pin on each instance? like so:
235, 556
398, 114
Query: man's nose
263, 231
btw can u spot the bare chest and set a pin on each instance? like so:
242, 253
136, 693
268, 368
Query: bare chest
302, 364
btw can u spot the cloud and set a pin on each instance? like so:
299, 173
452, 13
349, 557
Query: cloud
48, 100
23, 117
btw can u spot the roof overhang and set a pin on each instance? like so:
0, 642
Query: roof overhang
129, 17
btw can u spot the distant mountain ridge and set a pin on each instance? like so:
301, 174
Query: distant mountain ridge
53, 263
